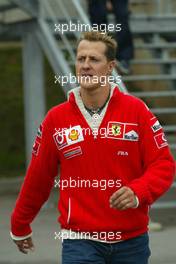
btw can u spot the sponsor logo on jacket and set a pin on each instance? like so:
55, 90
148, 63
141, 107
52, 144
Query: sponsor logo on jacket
116, 130
69, 136
123, 131
131, 135
155, 125
38, 140
39, 131
35, 148
73, 152
160, 140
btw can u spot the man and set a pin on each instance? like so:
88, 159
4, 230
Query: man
98, 11
114, 158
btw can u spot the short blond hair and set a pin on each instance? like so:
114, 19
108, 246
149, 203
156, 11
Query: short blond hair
111, 44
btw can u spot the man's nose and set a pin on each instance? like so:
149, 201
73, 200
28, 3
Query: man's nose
86, 64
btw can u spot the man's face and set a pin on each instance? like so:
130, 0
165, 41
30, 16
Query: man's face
92, 64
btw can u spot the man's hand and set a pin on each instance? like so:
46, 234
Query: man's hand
123, 199
25, 245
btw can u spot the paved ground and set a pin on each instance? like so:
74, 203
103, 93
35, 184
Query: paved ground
163, 243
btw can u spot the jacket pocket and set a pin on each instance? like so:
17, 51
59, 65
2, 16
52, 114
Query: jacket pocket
74, 212
69, 210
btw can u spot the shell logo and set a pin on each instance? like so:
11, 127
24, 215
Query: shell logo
73, 135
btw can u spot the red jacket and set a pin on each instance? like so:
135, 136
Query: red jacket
133, 153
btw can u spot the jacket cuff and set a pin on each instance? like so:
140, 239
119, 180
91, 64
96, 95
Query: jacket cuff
142, 193
19, 229
17, 238
137, 202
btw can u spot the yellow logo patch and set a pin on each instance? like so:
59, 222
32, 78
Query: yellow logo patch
116, 130
73, 135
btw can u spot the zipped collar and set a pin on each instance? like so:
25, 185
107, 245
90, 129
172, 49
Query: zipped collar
95, 120
75, 92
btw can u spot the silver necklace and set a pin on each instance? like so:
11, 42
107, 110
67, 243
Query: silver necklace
97, 111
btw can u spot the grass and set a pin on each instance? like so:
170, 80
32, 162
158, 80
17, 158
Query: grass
12, 150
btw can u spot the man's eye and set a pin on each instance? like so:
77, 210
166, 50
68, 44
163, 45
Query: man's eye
80, 59
94, 59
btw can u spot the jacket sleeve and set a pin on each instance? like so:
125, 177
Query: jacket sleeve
38, 181
157, 161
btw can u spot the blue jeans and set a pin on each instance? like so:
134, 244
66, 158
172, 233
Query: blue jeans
131, 251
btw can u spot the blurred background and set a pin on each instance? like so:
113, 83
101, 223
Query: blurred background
33, 52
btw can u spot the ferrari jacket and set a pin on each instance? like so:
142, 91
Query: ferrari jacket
123, 146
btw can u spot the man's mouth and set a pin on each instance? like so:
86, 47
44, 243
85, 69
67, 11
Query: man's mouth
87, 75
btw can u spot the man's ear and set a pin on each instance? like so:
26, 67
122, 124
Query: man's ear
111, 66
